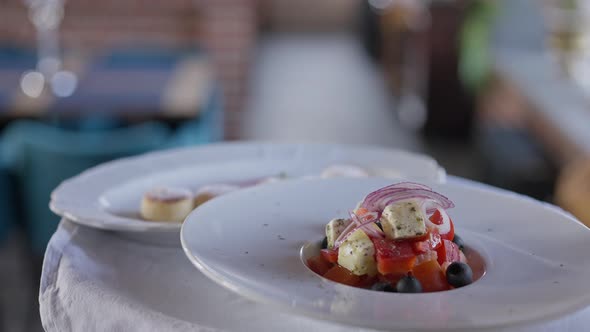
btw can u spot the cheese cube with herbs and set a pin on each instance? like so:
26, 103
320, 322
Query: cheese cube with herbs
403, 220
357, 254
334, 228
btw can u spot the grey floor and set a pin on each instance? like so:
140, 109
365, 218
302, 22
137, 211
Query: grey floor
321, 88
324, 88
18, 290
306, 88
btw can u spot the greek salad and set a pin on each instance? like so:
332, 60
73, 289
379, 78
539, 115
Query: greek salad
398, 239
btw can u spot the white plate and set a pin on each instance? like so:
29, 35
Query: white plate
108, 196
537, 257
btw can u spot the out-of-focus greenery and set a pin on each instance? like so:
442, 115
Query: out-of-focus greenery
475, 59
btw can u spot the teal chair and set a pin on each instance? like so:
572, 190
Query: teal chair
42, 156
7, 202
207, 128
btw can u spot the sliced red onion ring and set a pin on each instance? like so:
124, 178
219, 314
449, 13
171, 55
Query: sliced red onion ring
401, 185
445, 225
371, 231
345, 232
355, 224
395, 187
379, 199
430, 206
373, 216
410, 185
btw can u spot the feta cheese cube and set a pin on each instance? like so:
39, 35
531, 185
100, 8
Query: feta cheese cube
403, 220
334, 228
357, 254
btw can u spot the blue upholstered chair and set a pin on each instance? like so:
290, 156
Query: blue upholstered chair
42, 156
207, 128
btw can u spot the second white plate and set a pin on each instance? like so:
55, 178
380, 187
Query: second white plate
108, 196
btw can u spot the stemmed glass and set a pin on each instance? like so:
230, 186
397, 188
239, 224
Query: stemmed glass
406, 24
46, 16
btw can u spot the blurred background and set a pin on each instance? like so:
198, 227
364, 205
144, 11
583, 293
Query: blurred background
496, 91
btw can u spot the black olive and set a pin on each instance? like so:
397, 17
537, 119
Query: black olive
459, 242
459, 274
383, 287
409, 284
325, 242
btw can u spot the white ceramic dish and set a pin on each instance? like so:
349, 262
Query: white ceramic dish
108, 196
253, 241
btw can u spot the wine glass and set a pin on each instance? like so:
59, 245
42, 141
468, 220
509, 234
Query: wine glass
46, 16
405, 23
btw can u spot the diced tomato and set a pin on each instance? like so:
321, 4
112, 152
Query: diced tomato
436, 218
432, 242
431, 276
343, 276
395, 266
394, 257
448, 252
364, 214
330, 255
319, 265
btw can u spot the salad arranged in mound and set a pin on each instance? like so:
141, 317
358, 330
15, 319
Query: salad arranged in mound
399, 239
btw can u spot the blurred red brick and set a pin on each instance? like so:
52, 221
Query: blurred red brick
227, 28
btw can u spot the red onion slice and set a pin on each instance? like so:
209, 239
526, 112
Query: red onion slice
379, 199
445, 225
345, 232
410, 185
365, 222
401, 185
371, 231
357, 223
430, 206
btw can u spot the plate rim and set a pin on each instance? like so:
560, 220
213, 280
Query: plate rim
581, 304
92, 215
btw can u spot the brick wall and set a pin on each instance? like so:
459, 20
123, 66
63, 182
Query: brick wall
227, 28
310, 15
94, 25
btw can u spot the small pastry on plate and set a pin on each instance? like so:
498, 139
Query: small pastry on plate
167, 204
210, 191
